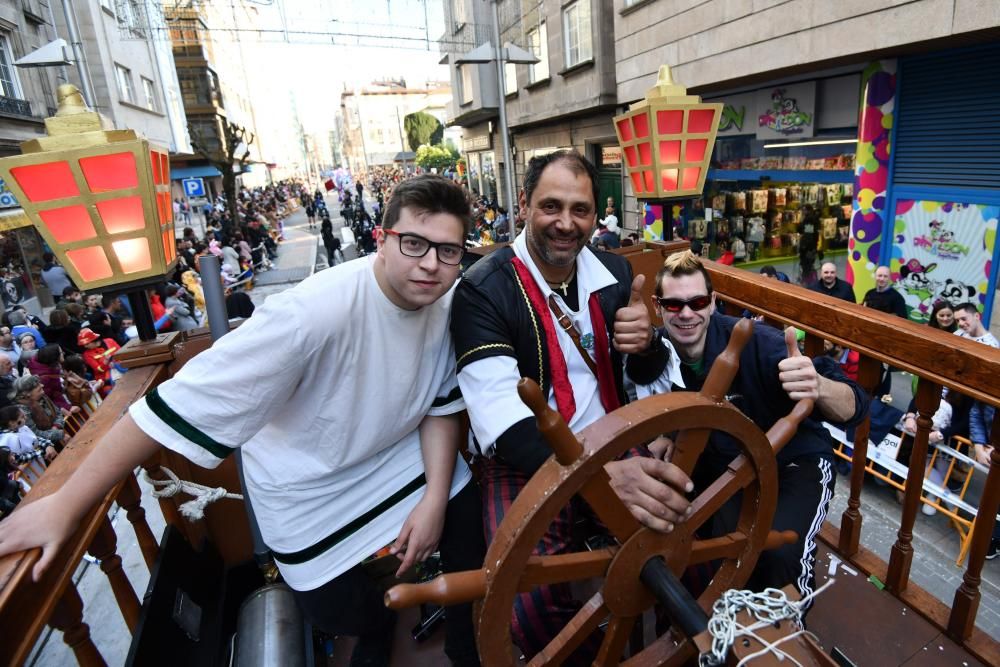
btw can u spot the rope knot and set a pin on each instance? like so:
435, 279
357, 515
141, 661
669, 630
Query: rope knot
204, 496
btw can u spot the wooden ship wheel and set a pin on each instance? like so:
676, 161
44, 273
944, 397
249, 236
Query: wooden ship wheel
641, 569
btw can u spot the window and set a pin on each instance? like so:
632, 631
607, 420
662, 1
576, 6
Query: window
123, 75
465, 72
576, 27
538, 42
9, 86
149, 94
509, 78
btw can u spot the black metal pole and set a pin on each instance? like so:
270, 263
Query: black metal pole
142, 314
682, 609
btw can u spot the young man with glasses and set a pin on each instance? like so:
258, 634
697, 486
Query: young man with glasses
329, 485
553, 310
773, 375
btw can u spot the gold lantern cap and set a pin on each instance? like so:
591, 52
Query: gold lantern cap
666, 90
75, 125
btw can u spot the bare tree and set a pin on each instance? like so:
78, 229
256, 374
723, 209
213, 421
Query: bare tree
235, 139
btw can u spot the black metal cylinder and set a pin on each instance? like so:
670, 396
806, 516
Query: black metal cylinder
142, 314
682, 609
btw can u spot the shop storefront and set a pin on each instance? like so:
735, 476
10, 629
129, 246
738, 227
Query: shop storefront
928, 179
782, 173
21, 251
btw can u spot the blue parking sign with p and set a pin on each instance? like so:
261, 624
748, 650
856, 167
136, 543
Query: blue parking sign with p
193, 187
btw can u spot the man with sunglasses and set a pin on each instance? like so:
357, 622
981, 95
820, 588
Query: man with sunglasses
773, 375
329, 485
551, 309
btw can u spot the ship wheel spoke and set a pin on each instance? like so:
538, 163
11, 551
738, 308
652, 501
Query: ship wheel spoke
615, 636
724, 546
564, 568
574, 633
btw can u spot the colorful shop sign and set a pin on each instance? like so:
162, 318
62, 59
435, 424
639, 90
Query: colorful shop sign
787, 111
942, 251
737, 114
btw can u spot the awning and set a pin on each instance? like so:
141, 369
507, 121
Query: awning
204, 171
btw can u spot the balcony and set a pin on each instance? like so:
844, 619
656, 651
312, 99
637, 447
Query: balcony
12, 106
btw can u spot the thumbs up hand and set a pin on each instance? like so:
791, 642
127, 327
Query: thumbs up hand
633, 332
798, 376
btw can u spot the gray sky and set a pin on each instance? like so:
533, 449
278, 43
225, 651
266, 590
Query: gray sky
332, 44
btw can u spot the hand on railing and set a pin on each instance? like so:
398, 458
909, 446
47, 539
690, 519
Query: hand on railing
43, 523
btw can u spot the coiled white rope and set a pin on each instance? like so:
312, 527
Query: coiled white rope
204, 496
768, 607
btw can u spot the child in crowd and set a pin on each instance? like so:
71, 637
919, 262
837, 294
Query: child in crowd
97, 354
21, 441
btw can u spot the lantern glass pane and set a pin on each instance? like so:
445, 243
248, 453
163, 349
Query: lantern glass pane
668, 179
122, 215
694, 150
44, 182
68, 224
168, 246
625, 128
636, 182
166, 207
645, 154
91, 263
106, 173
691, 175
700, 120
164, 169
670, 121
133, 255
154, 160
649, 180
670, 152
631, 157
641, 124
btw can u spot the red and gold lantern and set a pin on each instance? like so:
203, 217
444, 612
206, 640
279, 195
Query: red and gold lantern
99, 197
667, 140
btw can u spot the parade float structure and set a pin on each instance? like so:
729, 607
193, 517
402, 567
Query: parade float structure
202, 570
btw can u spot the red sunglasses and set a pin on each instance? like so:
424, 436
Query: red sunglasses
677, 305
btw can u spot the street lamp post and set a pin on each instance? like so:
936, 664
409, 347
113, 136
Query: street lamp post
500, 56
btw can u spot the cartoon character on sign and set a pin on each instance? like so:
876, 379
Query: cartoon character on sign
955, 292
941, 242
918, 289
784, 115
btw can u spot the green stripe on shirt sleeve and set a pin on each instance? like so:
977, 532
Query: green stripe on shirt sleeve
452, 396
160, 408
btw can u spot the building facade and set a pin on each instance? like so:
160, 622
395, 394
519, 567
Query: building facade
373, 131
566, 100
881, 119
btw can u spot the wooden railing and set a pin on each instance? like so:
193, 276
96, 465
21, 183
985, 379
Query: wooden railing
937, 358
26, 606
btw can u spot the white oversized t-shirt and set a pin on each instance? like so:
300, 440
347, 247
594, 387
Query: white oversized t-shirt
323, 388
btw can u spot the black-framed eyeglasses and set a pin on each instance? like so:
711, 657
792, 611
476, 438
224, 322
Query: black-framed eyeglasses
414, 245
677, 305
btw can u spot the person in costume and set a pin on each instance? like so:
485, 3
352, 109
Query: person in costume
551, 309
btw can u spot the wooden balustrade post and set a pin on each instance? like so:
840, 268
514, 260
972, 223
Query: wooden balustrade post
104, 548
67, 617
129, 497
966, 604
901, 557
869, 374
